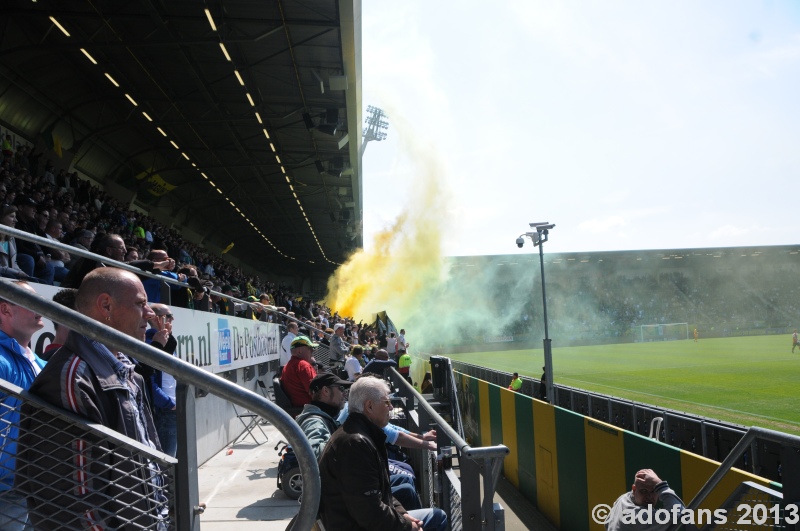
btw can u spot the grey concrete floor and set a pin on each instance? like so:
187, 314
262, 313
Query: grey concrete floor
240, 491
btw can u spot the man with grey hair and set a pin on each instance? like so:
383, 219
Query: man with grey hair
356, 493
339, 347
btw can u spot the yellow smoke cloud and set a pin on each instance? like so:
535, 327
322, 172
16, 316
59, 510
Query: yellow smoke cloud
406, 259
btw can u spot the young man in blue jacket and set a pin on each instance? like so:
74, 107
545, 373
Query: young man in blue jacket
19, 366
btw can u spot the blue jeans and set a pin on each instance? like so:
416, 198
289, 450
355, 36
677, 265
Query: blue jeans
33, 268
432, 519
407, 496
166, 421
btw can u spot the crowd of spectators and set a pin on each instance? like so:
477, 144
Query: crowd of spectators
731, 295
61, 206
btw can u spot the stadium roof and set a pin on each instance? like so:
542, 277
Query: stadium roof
255, 122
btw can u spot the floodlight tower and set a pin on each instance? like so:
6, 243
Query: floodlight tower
538, 236
376, 127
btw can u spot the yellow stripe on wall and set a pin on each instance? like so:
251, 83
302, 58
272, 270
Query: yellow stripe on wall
486, 416
544, 433
605, 464
695, 471
511, 463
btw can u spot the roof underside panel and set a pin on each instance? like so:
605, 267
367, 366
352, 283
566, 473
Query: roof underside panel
164, 101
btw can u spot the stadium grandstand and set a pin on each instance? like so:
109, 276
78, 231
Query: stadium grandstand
213, 150
606, 297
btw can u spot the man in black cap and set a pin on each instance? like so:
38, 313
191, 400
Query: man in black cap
318, 419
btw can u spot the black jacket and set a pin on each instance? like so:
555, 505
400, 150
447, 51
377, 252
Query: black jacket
354, 468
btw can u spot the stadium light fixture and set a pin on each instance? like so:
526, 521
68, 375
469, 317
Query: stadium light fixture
538, 237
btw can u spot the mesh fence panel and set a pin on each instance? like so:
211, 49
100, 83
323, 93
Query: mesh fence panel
754, 507
74, 475
455, 508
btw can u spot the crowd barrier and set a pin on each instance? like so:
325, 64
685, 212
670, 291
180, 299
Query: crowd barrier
566, 463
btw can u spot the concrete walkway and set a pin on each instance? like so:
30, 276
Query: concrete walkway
240, 488
241, 493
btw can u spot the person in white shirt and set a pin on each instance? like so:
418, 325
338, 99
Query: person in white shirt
353, 363
402, 346
391, 345
286, 344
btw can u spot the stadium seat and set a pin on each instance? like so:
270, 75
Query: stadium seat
282, 399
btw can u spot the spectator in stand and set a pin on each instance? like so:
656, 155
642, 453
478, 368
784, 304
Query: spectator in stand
299, 371
339, 347
516, 383
30, 256
647, 490
163, 386
153, 286
19, 366
111, 246
356, 491
353, 363
98, 383
286, 344
404, 366
391, 345
65, 297
8, 247
379, 364
58, 259
402, 345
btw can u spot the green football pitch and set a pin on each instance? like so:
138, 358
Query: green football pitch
753, 381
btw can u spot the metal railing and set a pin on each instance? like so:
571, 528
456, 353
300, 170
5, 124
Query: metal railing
121, 481
750, 505
459, 494
790, 454
703, 436
186, 491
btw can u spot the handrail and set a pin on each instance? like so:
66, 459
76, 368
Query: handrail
189, 374
464, 448
55, 244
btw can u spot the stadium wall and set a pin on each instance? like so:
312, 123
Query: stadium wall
565, 463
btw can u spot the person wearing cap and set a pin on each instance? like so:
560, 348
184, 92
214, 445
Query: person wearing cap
339, 347
318, 419
354, 470
298, 373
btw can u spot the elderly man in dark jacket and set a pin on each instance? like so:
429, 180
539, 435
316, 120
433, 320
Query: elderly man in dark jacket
356, 493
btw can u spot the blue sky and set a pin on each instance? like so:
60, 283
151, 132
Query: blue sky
631, 125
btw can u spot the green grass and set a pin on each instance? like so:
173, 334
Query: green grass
752, 381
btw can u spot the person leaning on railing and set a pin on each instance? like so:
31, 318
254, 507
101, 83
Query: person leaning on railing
118, 489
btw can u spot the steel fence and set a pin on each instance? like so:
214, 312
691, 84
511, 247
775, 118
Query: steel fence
703, 436
464, 489
73, 475
136, 484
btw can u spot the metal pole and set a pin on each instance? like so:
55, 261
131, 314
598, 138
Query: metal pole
548, 353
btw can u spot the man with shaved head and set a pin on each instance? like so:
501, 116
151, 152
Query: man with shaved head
97, 382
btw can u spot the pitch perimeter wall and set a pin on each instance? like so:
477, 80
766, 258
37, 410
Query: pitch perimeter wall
566, 463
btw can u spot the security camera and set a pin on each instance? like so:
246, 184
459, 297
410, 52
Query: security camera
520, 242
